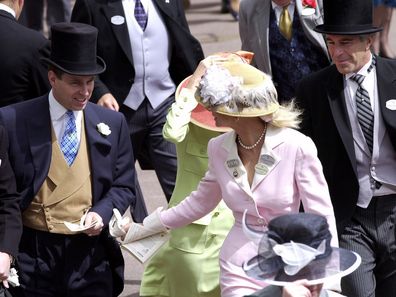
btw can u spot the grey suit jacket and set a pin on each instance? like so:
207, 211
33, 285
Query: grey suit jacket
254, 18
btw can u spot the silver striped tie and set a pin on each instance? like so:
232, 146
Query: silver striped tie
363, 106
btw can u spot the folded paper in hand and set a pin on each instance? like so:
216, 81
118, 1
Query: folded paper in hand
140, 243
81, 226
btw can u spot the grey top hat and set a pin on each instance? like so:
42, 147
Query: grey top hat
295, 247
347, 17
73, 49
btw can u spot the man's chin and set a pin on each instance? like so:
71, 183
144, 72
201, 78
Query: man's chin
344, 68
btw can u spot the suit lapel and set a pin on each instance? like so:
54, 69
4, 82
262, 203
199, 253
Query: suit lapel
311, 21
166, 8
121, 32
386, 91
39, 134
386, 83
338, 108
268, 158
261, 19
233, 164
99, 147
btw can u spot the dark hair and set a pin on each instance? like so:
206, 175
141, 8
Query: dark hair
56, 70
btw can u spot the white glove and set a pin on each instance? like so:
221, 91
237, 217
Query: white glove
186, 102
151, 225
117, 224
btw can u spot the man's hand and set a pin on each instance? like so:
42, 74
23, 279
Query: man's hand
5, 262
108, 101
94, 219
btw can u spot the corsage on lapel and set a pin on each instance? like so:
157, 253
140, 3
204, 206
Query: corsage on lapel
103, 129
309, 7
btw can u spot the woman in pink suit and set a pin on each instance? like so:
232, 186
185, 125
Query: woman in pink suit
263, 166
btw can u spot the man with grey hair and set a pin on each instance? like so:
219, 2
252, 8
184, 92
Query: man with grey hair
350, 113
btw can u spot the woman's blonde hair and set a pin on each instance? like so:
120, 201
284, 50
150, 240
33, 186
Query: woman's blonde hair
288, 115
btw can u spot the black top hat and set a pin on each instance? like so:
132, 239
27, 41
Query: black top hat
295, 247
347, 17
73, 49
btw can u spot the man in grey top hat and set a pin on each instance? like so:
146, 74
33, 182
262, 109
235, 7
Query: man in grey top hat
350, 113
72, 163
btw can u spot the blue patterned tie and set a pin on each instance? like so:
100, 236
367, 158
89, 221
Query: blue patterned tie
69, 142
365, 114
140, 14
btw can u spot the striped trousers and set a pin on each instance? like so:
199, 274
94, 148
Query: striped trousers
371, 233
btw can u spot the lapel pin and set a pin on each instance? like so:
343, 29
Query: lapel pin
232, 163
261, 168
117, 20
391, 104
267, 160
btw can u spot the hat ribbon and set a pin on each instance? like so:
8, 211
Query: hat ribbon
297, 255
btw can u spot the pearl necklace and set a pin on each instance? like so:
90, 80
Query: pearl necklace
250, 147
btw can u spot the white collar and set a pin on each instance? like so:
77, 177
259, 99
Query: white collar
57, 110
8, 9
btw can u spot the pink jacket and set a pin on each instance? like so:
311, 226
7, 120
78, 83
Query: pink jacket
288, 173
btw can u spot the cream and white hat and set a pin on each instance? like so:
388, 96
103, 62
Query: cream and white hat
237, 89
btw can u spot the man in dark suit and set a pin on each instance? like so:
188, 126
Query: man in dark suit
22, 73
56, 11
287, 51
146, 60
10, 216
72, 163
350, 113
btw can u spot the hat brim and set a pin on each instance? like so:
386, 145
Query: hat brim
249, 112
200, 116
341, 262
345, 30
99, 68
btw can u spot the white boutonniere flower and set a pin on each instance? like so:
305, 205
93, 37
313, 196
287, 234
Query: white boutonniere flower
309, 7
103, 129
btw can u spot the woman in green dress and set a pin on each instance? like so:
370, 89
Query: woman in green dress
188, 265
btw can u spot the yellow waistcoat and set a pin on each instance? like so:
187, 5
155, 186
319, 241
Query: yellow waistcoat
66, 193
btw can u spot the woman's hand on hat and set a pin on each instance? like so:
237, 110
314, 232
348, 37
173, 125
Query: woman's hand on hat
301, 289
198, 73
